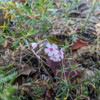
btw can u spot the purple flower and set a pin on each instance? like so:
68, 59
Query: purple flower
51, 49
34, 45
61, 54
55, 58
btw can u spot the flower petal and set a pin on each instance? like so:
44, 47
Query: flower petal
58, 59
62, 49
50, 53
46, 50
55, 52
48, 45
54, 46
51, 58
55, 58
62, 56
34, 45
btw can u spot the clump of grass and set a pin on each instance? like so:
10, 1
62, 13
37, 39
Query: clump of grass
6, 88
83, 27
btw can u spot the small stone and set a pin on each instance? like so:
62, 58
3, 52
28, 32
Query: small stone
85, 13
97, 11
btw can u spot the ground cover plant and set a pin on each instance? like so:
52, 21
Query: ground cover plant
49, 50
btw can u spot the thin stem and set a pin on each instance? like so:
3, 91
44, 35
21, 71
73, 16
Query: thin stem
83, 27
11, 37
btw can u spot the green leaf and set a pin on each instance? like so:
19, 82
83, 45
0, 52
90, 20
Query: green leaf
7, 78
28, 9
16, 43
4, 27
10, 31
50, 10
42, 5
48, 19
2, 41
21, 32
37, 7
53, 39
43, 17
32, 33
27, 43
29, 31
10, 71
49, 4
66, 42
2, 68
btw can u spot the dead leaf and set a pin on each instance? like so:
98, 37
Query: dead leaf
85, 13
8, 44
58, 5
83, 6
21, 46
70, 73
24, 73
79, 43
20, 1
37, 74
75, 13
89, 73
48, 95
6, 14
81, 9
5, 43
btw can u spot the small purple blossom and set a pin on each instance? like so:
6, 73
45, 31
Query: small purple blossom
55, 58
51, 49
61, 54
34, 45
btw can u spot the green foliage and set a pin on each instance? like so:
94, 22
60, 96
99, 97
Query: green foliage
27, 22
6, 89
86, 85
65, 85
83, 27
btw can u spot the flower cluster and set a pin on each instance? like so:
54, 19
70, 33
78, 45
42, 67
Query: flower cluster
53, 52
